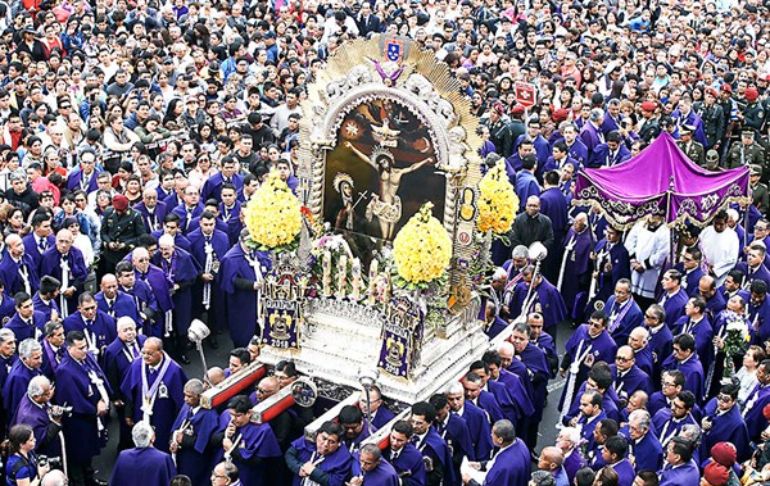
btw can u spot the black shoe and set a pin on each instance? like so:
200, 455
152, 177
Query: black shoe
184, 359
98, 482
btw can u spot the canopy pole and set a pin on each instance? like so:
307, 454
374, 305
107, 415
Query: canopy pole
746, 216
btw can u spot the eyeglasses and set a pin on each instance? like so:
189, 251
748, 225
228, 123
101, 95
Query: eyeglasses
724, 398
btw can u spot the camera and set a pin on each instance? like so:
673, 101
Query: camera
58, 411
51, 462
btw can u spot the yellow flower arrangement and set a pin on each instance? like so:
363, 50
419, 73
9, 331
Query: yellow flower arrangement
273, 215
422, 248
497, 202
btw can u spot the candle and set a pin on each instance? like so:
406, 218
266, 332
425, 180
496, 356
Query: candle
355, 271
342, 275
327, 273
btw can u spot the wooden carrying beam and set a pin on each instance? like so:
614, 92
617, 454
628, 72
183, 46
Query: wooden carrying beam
270, 408
233, 385
329, 415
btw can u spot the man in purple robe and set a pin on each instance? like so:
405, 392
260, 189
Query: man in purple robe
171, 227
151, 210
8, 358
590, 343
118, 357
53, 348
27, 322
754, 268
139, 291
575, 270
153, 390
324, 460
352, 420
192, 434
36, 411
189, 208
212, 188
98, 328
379, 414
17, 270
154, 278
144, 464
538, 371
65, 263
543, 341
453, 430
697, 324
627, 377
114, 302
600, 380
40, 239
624, 312
685, 359
513, 398
230, 213
545, 299
474, 391
475, 418
759, 313
45, 298
22, 372
433, 448
241, 275
679, 469
404, 456
554, 205
723, 422
715, 302
369, 469
674, 297
81, 384
208, 247
644, 446
511, 465
610, 263
614, 455
668, 422
639, 340
661, 339
181, 271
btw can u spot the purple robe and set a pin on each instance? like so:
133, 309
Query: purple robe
180, 240
625, 472
691, 280
577, 271
667, 426
433, 446
74, 388
336, 465
186, 215
752, 411
220, 245
166, 405
33, 249
194, 459
156, 280
546, 297
15, 387
146, 465
601, 347
715, 305
725, 427
759, 317
647, 452
231, 217
383, 475
620, 321
408, 464
50, 264
40, 305
382, 416
693, 374
680, 475
644, 360
152, 221
573, 463
480, 430
144, 299
609, 405
618, 258
76, 177
101, 332
674, 306
51, 359
212, 188
123, 305
240, 303
703, 333
632, 380
10, 274
511, 466
36, 416
760, 273
182, 270
23, 330
554, 205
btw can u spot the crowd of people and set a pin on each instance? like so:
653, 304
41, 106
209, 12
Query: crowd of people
133, 132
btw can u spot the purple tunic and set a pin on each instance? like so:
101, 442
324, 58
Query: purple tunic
383, 475
50, 264
336, 465
15, 388
194, 460
577, 271
146, 465
680, 475
240, 304
166, 406
182, 270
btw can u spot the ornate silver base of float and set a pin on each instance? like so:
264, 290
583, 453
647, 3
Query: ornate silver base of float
341, 338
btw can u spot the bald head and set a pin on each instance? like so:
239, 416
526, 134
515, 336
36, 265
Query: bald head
268, 387
216, 375
553, 455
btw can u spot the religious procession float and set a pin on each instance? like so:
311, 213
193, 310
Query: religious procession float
377, 261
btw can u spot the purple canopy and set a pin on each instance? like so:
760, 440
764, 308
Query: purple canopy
660, 180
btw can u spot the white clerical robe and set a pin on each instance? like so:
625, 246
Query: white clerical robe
651, 248
720, 250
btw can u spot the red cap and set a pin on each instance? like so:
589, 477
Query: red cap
752, 94
649, 106
766, 412
713, 92
120, 202
560, 115
724, 453
716, 474
518, 109
726, 88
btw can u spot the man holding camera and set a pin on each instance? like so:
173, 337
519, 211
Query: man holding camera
35, 410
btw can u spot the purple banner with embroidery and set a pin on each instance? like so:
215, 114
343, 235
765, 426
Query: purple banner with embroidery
660, 180
401, 337
280, 321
